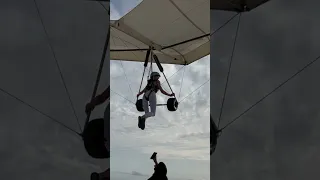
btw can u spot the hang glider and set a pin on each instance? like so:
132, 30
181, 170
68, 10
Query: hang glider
177, 31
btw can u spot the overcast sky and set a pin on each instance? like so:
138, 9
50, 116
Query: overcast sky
279, 138
181, 138
32, 146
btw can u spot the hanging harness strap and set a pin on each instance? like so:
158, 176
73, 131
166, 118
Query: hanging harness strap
145, 66
161, 70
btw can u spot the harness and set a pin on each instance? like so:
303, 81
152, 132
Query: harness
152, 87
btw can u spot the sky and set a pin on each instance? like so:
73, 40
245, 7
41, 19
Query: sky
279, 138
180, 138
32, 146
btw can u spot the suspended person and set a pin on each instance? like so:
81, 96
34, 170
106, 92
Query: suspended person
150, 91
100, 99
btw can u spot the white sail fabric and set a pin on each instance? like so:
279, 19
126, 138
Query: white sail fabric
165, 25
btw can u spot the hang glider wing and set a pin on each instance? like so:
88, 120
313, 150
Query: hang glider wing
178, 31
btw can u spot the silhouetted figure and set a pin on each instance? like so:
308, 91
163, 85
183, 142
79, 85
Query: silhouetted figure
160, 169
100, 99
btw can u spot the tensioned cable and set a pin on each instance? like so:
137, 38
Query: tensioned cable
104, 7
167, 81
144, 70
123, 97
229, 70
141, 85
181, 67
182, 82
194, 90
57, 63
184, 66
39, 111
32, 107
179, 102
125, 74
173, 74
227, 22
271, 92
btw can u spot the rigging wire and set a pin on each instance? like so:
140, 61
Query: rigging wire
58, 66
123, 97
108, 10
194, 90
227, 22
144, 70
34, 108
274, 90
173, 74
61, 75
183, 67
182, 82
179, 102
141, 84
264, 97
125, 74
229, 70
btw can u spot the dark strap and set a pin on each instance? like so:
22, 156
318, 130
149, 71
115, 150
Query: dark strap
147, 98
